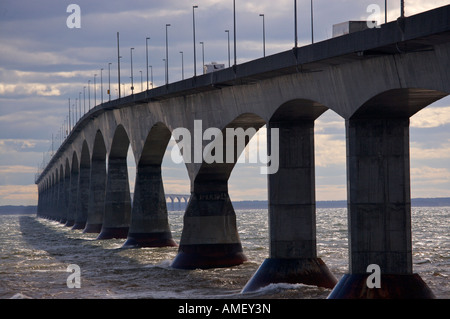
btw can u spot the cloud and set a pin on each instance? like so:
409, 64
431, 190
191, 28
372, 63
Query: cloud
14, 194
431, 117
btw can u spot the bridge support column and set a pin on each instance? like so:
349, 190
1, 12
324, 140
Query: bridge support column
73, 197
379, 211
61, 202
116, 220
210, 238
83, 198
96, 205
292, 213
149, 221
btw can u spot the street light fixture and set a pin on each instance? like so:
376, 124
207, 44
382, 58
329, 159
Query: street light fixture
89, 93
167, 54
234, 22
182, 65
146, 57
264, 34
132, 84
95, 91
203, 55
151, 74
229, 58
109, 80
101, 83
195, 51
312, 22
118, 64
295, 23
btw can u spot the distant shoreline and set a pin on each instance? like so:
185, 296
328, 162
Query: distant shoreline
257, 204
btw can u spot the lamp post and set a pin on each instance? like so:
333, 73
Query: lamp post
118, 64
295, 24
312, 22
385, 11
79, 100
229, 58
264, 34
195, 51
132, 84
402, 8
234, 22
165, 68
151, 74
89, 93
95, 90
167, 53
203, 55
182, 65
101, 83
146, 57
109, 80
69, 117
84, 99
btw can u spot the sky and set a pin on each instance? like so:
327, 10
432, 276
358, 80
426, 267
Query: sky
43, 63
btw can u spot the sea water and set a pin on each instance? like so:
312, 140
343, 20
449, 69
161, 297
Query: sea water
35, 254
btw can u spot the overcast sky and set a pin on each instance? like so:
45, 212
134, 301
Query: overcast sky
43, 63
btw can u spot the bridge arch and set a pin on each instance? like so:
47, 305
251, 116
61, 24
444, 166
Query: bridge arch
149, 226
403, 102
210, 208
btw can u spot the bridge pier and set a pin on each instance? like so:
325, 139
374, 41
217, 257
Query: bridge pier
149, 221
292, 212
379, 211
96, 204
116, 220
83, 198
61, 201
73, 196
209, 238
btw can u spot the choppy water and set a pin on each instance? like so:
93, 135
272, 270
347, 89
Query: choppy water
35, 254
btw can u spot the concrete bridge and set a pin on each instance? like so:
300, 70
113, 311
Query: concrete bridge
375, 79
182, 200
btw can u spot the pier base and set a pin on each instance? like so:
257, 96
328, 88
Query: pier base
117, 212
308, 271
408, 286
149, 225
210, 238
